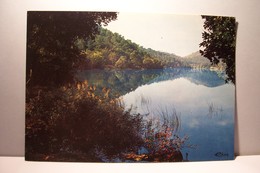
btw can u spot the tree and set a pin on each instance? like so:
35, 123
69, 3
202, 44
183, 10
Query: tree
72, 123
112, 57
219, 41
151, 63
122, 62
52, 56
135, 60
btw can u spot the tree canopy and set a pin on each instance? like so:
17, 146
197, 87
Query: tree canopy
72, 120
219, 41
51, 52
111, 50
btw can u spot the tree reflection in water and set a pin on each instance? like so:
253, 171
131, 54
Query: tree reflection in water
72, 123
161, 140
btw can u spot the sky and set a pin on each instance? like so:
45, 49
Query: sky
178, 34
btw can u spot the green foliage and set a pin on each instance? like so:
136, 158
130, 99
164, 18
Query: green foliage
122, 62
167, 59
67, 120
219, 41
120, 81
117, 52
52, 54
196, 60
151, 63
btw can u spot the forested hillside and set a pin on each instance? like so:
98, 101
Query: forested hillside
167, 59
111, 50
196, 60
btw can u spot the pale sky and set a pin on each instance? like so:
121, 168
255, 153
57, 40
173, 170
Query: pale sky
178, 34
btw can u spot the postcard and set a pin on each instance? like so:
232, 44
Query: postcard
129, 87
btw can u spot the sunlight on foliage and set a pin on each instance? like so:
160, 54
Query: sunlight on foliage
73, 120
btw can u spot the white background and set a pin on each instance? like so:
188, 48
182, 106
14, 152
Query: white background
243, 164
13, 57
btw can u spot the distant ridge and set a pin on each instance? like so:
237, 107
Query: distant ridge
113, 51
195, 59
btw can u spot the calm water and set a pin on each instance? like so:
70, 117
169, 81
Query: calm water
201, 99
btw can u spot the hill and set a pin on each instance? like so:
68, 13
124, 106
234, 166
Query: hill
168, 59
196, 60
110, 50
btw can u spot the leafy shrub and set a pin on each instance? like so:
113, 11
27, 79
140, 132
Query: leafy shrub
73, 123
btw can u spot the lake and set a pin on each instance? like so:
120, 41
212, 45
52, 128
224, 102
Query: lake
202, 101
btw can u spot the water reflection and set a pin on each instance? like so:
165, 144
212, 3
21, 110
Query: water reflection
196, 103
206, 113
124, 81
